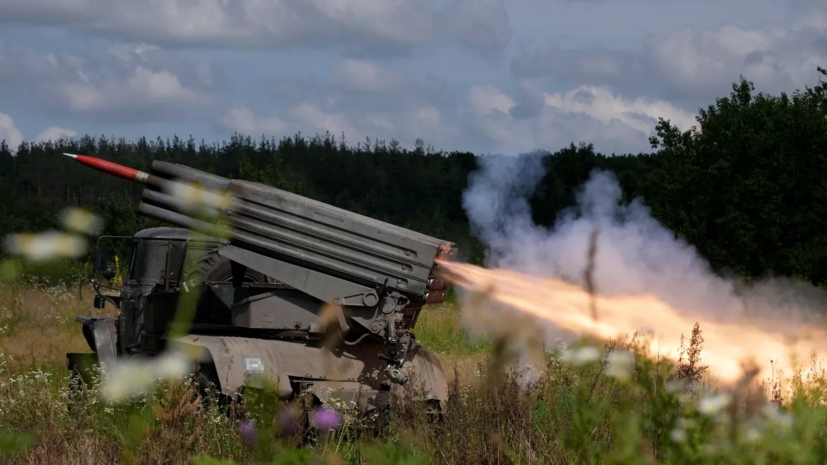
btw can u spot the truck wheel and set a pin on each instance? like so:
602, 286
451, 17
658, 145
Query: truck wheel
206, 381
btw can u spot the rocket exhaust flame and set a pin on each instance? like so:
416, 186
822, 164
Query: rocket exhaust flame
644, 277
727, 344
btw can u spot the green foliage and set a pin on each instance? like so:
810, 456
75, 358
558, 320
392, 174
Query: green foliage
393, 454
12, 443
274, 174
747, 186
119, 212
211, 461
442, 331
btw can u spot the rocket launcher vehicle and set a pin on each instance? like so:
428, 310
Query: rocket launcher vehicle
378, 273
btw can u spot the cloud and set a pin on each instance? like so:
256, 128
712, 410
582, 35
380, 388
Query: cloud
541, 120
9, 132
363, 99
353, 26
480, 24
123, 83
694, 67
55, 133
13, 136
366, 77
360, 99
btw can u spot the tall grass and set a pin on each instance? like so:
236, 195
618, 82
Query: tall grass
588, 404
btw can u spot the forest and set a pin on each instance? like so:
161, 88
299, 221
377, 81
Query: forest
746, 186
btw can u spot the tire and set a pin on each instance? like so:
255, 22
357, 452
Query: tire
208, 385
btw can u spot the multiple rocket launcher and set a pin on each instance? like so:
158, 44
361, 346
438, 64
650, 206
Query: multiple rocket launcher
289, 228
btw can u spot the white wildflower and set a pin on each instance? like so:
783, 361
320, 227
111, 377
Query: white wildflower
581, 355
685, 423
195, 195
710, 405
45, 246
172, 366
678, 435
752, 434
137, 376
82, 221
619, 364
776, 416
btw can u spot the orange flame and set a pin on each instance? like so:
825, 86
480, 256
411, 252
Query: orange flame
727, 344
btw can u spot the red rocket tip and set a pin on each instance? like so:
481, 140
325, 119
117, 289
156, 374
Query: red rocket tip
110, 168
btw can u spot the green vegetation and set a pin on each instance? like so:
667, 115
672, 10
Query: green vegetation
590, 404
745, 188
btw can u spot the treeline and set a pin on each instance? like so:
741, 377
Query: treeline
747, 187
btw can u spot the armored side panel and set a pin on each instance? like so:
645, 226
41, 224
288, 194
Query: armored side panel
310, 234
353, 375
282, 309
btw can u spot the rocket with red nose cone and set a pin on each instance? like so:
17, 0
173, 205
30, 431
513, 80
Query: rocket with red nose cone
111, 168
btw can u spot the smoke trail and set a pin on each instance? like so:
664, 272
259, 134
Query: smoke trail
635, 254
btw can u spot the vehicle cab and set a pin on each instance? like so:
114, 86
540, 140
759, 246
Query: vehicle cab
160, 264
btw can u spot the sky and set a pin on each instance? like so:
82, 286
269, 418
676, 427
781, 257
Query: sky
487, 76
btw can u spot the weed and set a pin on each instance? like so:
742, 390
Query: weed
608, 403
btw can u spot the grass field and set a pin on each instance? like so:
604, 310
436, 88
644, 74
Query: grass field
591, 404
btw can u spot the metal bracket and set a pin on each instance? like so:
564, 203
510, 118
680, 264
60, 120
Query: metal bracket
365, 299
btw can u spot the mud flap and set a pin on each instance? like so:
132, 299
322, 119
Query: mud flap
101, 335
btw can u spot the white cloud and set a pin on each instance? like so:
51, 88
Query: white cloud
9, 132
600, 104
311, 118
13, 136
360, 99
357, 26
365, 76
611, 98
241, 119
366, 100
124, 83
55, 133
590, 114
696, 66
305, 117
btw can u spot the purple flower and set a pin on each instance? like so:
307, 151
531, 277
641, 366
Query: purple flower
327, 419
247, 431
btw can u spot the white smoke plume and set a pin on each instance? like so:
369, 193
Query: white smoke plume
635, 254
